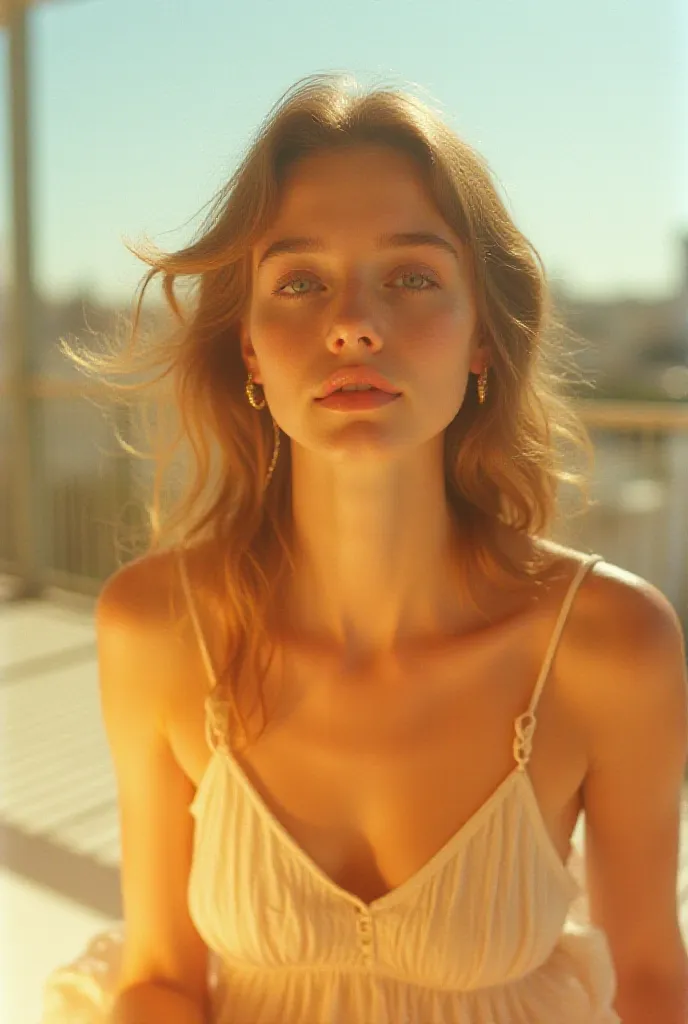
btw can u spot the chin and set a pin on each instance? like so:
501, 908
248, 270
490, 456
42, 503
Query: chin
352, 440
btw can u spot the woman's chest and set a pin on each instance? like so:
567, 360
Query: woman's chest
372, 777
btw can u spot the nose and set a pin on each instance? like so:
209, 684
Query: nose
352, 325
349, 341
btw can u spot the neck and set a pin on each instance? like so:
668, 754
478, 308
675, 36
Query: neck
377, 551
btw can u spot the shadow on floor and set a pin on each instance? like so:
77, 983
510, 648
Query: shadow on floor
29, 668
73, 875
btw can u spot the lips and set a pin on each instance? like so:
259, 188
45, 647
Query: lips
358, 401
356, 375
355, 391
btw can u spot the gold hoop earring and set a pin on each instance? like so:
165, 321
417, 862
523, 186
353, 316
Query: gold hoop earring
251, 395
482, 386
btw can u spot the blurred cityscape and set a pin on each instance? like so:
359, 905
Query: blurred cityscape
636, 349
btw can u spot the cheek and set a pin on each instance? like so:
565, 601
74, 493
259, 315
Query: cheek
282, 350
279, 345
438, 359
440, 350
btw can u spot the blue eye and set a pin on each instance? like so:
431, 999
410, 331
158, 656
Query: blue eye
293, 295
425, 279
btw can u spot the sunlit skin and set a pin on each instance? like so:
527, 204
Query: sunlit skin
371, 517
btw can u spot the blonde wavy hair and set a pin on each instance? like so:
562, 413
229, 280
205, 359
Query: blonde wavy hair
504, 459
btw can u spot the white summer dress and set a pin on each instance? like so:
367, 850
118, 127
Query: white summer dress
487, 932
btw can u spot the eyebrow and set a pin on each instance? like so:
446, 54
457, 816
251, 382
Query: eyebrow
400, 240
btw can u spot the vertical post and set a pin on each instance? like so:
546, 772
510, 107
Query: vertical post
26, 421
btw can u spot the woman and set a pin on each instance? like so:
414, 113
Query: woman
442, 689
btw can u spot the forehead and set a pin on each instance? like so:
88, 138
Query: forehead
359, 180
356, 191
346, 162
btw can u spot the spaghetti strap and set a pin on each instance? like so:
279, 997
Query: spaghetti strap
215, 711
525, 723
193, 612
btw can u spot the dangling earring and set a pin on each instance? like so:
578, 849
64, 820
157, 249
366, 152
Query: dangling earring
251, 395
482, 386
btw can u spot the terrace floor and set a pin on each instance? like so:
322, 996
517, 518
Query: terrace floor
59, 844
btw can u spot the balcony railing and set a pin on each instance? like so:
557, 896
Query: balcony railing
89, 487
640, 486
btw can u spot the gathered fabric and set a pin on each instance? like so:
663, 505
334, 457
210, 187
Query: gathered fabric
493, 929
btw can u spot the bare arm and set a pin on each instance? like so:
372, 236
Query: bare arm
632, 804
155, 1003
164, 962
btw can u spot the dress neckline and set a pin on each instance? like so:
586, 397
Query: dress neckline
517, 779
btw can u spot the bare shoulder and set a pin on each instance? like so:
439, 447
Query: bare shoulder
147, 594
626, 670
627, 658
143, 626
626, 616
613, 606
142, 592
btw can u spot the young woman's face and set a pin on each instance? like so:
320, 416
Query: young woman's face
352, 297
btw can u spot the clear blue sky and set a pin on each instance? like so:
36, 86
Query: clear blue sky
142, 107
